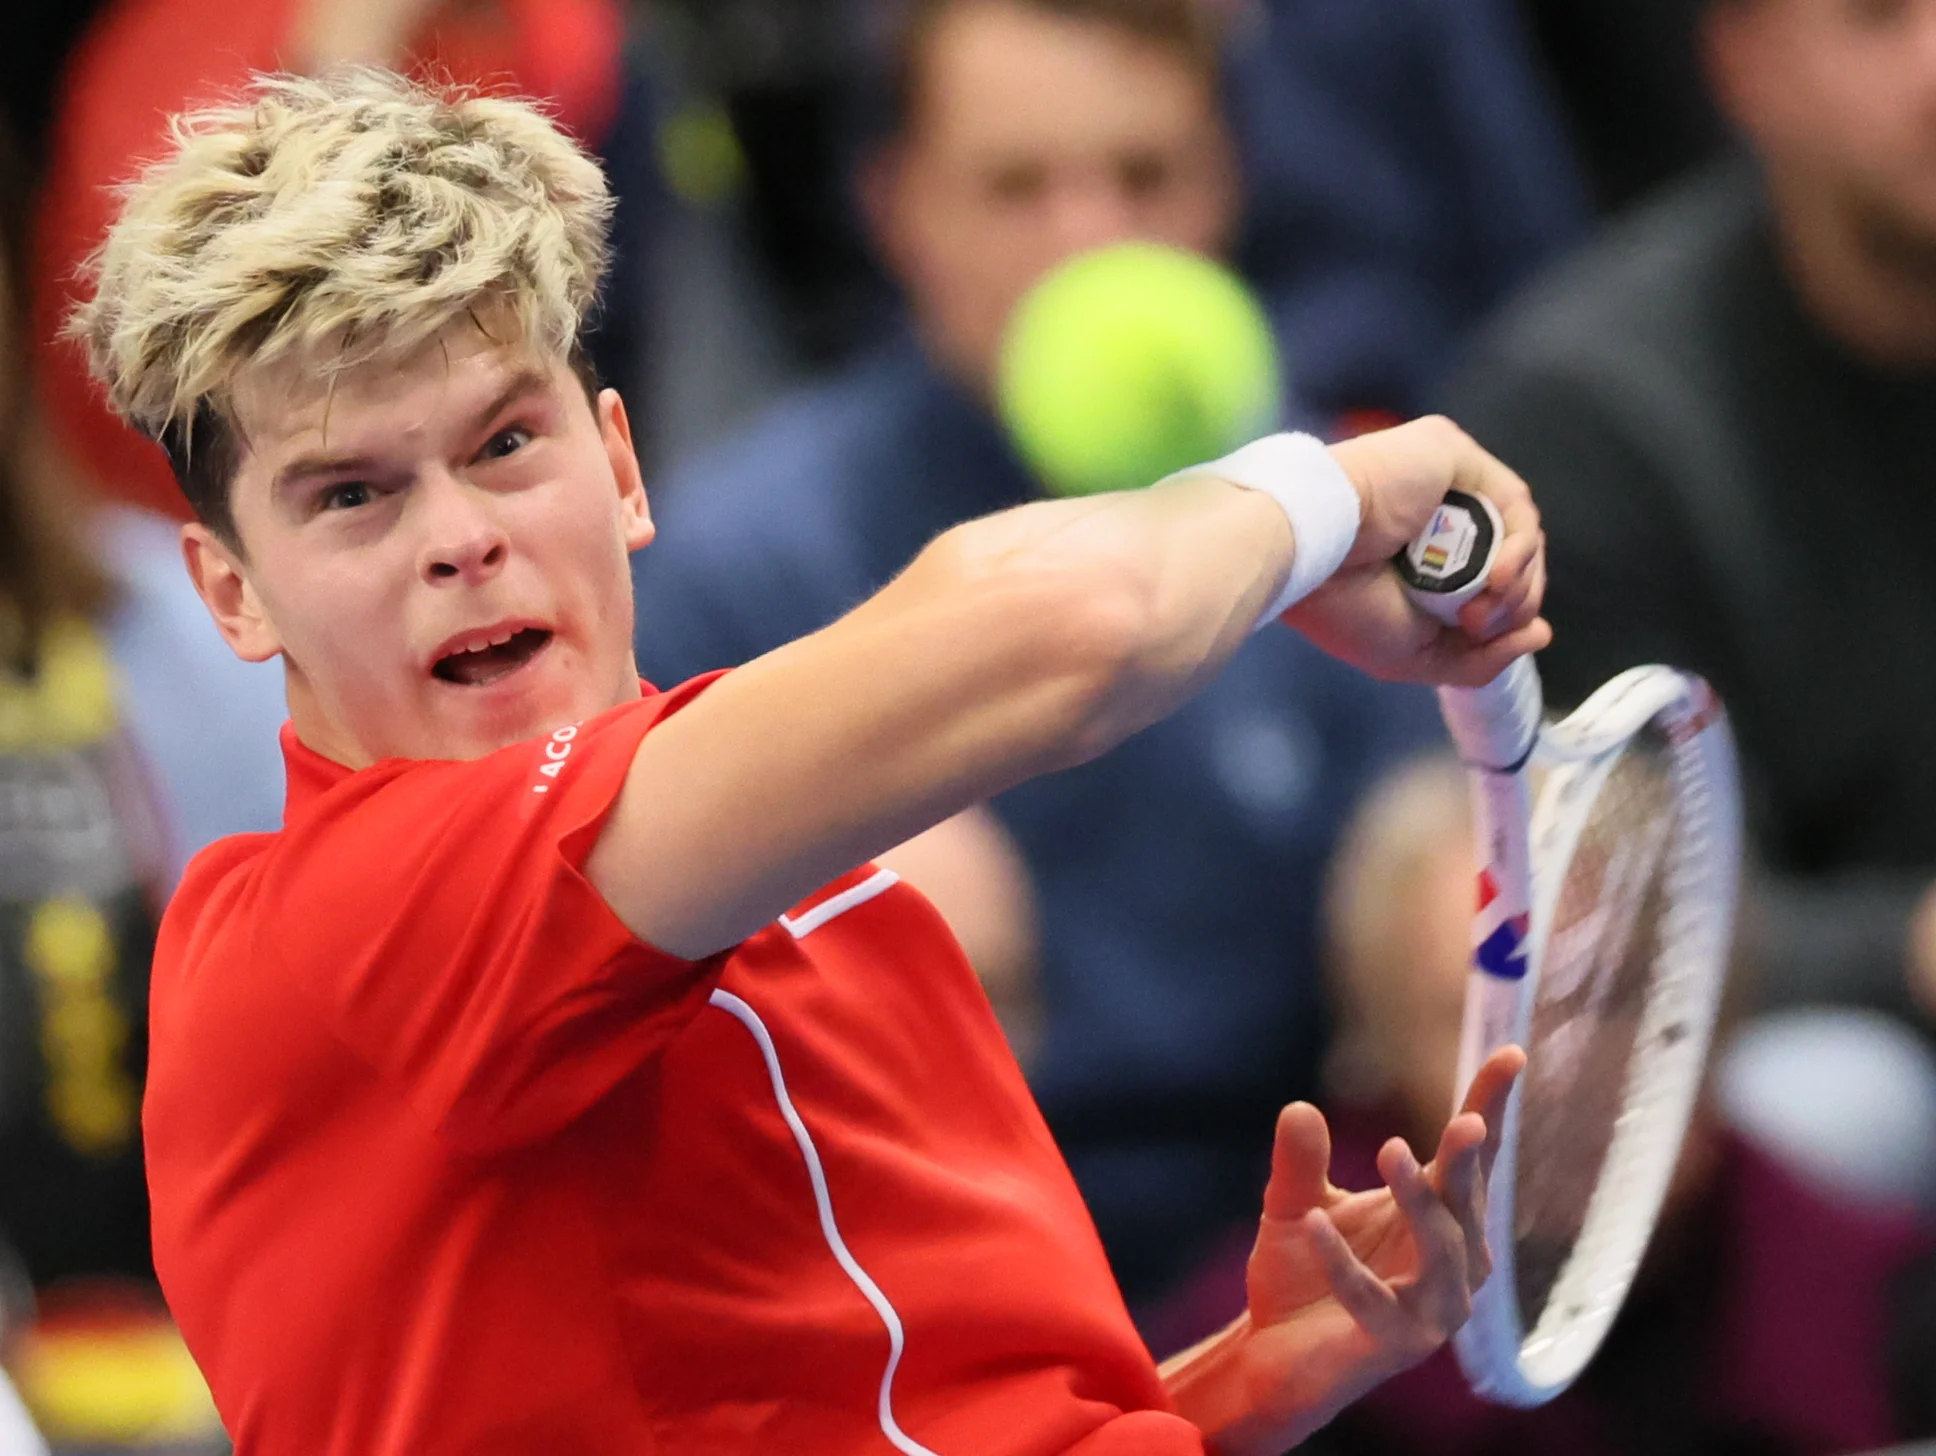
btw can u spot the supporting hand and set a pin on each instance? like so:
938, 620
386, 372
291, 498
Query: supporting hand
1348, 1289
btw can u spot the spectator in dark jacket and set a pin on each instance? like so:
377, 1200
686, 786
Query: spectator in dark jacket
1730, 407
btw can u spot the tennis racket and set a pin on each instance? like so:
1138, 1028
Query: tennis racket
1606, 907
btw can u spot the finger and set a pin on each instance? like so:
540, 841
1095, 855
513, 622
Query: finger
1369, 1300
1456, 661
1531, 589
1456, 1173
1485, 474
1492, 613
1464, 1135
1300, 1163
1514, 560
1487, 1096
1439, 1289
1513, 595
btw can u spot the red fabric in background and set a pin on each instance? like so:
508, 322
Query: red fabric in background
145, 60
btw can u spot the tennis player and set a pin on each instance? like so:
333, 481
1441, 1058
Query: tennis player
562, 1077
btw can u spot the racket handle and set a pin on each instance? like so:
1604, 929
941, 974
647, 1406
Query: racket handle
1494, 727
1446, 567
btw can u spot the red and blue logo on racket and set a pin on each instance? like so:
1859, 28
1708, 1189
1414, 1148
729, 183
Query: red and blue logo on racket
1501, 949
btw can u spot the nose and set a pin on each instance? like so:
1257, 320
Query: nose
1090, 213
463, 541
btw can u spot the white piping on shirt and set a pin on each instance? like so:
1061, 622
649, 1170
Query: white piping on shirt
749, 1018
839, 904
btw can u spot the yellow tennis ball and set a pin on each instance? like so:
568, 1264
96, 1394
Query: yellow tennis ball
1132, 361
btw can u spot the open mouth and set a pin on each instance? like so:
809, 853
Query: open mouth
485, 661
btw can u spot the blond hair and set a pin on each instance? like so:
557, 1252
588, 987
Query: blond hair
333, 220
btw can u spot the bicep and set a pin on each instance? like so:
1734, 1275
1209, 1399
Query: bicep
815, 757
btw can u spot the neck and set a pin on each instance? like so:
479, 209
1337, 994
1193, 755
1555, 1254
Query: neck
1863, 277
314, 726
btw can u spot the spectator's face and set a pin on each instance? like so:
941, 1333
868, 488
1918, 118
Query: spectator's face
1035, 137
469, 498
1425, 1000
1839, 98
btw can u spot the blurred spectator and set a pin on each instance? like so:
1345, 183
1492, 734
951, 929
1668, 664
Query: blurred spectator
143, 61
1628, 74
1404, 166
1728, 408
1764, 1319
1176, 878
82, 870
40, 33
1406, 170
129, 737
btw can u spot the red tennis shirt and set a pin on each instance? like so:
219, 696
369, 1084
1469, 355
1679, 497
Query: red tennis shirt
443, 1159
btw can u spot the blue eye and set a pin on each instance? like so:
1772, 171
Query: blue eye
346, 496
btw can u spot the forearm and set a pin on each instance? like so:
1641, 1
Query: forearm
1014, 645
1217, 1387
1210, 1388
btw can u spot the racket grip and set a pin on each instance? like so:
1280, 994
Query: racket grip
1494, 727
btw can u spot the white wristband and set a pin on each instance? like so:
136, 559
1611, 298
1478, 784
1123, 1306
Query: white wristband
1314, 493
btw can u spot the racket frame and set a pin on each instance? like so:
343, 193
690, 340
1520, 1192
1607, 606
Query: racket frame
1525, 849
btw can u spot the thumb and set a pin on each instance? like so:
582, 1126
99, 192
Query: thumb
1300, 1164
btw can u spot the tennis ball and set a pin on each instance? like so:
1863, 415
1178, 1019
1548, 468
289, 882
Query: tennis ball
1132, 361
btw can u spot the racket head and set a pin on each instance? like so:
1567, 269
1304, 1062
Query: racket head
1634, 852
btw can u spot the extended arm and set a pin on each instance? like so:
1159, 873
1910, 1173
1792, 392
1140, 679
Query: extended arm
1014, 645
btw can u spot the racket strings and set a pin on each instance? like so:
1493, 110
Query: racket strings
1596, 975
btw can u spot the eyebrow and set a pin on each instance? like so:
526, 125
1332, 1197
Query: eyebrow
306, 468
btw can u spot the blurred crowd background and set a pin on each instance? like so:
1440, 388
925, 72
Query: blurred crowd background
1674, 260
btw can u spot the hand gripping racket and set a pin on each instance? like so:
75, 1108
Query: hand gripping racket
1606, 906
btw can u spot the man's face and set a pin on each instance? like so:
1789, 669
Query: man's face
1839, 98
437, 550
1035, 137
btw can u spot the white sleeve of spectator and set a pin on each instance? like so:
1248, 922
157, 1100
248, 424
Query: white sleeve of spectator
17, 1434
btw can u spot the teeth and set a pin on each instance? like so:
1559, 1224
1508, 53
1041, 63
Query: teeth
484, 644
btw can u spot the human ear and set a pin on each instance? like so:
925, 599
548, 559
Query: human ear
223, 585
615, 429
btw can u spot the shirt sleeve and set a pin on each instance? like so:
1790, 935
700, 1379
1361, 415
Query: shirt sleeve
438, 915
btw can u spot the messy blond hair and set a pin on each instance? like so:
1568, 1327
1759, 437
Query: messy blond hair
335, 221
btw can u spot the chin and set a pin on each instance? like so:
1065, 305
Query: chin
526, 706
